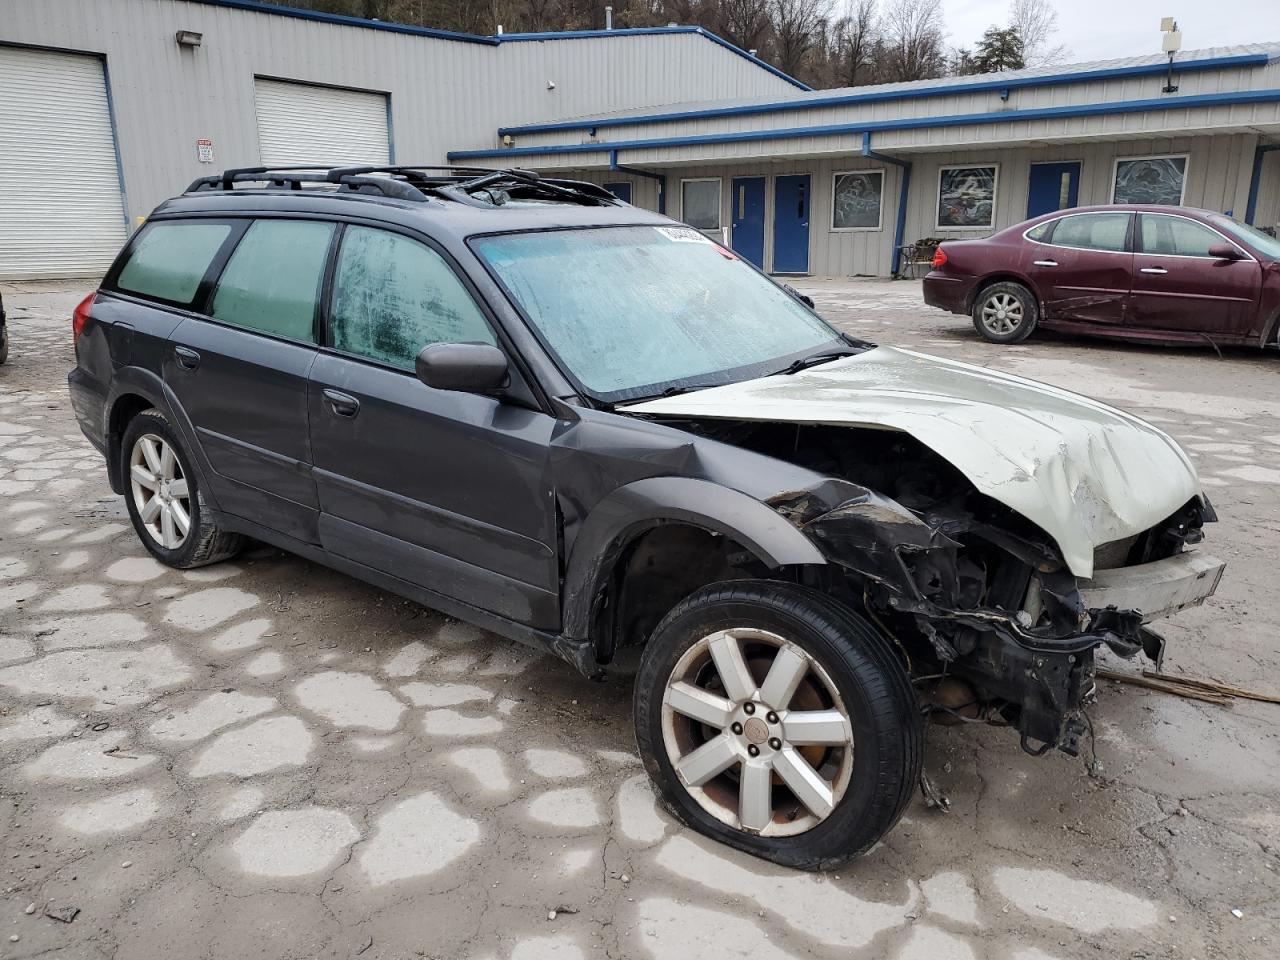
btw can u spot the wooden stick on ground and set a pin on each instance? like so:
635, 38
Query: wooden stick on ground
1166, 686
1212, 686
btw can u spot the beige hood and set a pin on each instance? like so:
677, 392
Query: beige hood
1084, 472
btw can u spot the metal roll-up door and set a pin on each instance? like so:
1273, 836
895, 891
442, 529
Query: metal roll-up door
61, 209
300, 123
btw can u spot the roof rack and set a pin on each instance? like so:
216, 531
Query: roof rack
476, 186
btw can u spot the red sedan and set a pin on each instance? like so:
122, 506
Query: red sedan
1149, 273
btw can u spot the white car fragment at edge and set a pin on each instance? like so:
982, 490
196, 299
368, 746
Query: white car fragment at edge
1085, 472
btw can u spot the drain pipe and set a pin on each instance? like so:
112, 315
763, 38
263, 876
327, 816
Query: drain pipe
903, 192
1255, 181
660, 177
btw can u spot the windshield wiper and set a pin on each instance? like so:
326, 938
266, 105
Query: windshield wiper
812, 361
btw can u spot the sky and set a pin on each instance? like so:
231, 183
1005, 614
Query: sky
1104, 29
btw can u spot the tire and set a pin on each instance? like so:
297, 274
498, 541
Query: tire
203, 542
851, 674
4, 342
1005, 312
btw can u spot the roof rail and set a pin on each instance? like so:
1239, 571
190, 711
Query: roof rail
406, 182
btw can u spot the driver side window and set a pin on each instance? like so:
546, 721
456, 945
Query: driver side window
392, 296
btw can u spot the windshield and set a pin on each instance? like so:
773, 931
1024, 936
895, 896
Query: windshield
632, 311
1265, 245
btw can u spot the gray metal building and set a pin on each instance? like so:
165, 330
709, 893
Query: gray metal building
835, 182
109, 106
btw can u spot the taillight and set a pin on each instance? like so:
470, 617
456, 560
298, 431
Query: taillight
939, 258
80, 317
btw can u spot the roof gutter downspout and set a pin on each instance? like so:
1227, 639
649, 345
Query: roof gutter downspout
660, 177
1255, 181
903, 192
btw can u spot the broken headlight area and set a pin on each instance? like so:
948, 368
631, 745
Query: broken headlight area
985, 610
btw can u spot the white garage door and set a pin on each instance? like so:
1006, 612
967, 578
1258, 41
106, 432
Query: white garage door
303, 124
61, 213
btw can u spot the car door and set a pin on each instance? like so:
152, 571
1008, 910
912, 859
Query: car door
1083, 267
240, 373
1179, 286
449, 491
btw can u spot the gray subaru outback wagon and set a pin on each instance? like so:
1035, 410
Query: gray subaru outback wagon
587, 427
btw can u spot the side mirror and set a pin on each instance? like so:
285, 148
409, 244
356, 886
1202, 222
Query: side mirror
1224, 251
463, 367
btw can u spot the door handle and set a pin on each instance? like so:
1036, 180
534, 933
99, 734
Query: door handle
342, 404
1154, 270
1045, 263
187, 358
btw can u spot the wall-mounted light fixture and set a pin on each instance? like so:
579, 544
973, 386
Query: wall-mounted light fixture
189, 38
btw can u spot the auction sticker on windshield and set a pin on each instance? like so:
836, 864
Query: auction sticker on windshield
683, 234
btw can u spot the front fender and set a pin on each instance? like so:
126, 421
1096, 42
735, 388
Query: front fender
644, 504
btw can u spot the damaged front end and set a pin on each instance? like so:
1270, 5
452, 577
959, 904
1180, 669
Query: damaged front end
991, 621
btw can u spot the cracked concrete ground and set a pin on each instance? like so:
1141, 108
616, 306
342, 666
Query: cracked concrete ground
268, 759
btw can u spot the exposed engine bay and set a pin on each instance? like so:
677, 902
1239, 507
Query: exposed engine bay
990, 620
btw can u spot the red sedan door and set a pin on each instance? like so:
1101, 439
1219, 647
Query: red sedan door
1083, 268
1178, 286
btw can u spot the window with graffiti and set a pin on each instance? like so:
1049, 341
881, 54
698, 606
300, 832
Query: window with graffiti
1150, 180
967, 196
856, 200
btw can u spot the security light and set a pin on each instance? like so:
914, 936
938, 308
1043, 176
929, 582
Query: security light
189, 38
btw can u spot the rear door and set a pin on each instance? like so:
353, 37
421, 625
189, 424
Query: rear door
1083, 268
449, 491
1178, 286
241, 373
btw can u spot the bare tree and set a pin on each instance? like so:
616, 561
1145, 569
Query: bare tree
914, 39
797, 26
856, 44
745, 23
1036, 22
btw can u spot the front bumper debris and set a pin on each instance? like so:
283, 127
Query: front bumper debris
1157, 589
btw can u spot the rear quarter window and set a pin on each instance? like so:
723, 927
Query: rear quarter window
168, 261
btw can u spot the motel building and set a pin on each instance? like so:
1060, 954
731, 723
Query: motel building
107, 107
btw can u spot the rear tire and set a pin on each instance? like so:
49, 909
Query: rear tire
1005, 312
162, 492
4, 343
846, 716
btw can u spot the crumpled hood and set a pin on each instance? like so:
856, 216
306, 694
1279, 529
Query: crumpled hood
1084, 472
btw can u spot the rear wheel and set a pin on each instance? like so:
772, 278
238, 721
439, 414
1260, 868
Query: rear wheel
4, 342
1005, 312
164, 500
775, 720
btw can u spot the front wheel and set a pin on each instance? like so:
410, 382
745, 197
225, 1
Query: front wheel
1005, 313
777, 721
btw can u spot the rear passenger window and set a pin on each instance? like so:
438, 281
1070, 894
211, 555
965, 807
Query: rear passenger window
1093, 231
170, 259
1176, 236
392, 296
272, 282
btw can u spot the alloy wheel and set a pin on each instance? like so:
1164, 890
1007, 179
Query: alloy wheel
1002, 313
757, 732
160, 492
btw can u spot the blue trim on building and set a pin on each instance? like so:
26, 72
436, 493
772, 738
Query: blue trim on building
255, 6
910, 123
1255, 180
652, 31
854, 99
660, 177
115, 144
904, 191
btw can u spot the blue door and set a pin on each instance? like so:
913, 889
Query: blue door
791, 201
748, 218
620, 190
1053, 186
